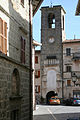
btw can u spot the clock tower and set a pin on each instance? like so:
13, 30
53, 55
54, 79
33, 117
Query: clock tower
52, 35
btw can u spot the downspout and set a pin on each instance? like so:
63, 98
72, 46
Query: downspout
62, 75
30, 81
62, 66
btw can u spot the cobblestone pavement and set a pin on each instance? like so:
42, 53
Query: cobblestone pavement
53, 112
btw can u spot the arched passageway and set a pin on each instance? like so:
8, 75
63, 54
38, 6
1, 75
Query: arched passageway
49, 95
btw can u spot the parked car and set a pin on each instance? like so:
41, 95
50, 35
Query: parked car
54, 100
76, 101
68, 101
72, 101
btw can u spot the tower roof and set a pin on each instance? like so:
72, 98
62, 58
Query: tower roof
54, 7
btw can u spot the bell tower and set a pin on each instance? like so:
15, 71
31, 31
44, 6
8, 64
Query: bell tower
52, 35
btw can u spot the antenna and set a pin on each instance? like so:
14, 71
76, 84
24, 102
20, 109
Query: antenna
74, 36
51, 4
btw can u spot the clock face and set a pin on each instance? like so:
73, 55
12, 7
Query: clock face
51, 40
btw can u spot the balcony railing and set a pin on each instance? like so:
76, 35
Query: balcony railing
67, 75
51, 62
76, 56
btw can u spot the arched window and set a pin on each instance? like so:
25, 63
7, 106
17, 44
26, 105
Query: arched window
15, 82
51, 20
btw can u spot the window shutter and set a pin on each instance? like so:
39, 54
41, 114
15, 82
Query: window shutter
68, 82
5, 39
1, 26
22, 50
36, 59
5, 29
3, 36
39, 73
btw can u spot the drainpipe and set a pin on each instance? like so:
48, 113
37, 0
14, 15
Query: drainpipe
30, 81
62, 75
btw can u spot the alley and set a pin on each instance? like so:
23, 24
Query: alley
46, 112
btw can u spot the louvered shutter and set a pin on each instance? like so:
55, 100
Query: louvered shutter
36, 59
1, 35
22, 50
5, 37
39, 73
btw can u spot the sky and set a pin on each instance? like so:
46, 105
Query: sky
72, 22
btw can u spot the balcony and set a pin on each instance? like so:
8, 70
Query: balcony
76, 56
67, 75
50, 62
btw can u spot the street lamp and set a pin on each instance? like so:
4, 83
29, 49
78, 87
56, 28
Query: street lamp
74, 78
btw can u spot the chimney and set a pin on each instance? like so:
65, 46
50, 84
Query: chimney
74, 37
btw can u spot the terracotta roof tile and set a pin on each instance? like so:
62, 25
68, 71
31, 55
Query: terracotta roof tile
71, 41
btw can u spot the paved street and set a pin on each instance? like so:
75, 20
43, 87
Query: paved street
56, 112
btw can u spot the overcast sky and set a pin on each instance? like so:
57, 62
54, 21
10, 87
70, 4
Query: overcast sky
72, 22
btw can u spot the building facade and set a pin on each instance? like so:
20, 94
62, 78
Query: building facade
37, 77
35, 44
15, 50
52, 35
71, 68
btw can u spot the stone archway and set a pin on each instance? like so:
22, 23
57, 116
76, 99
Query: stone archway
49, 95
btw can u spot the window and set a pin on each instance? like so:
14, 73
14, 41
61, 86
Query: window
68, 82
37, 73
3, 36
22, 50
68, 69
51, 20
22, 2
36, 59
68, 51
15, 115
37, 88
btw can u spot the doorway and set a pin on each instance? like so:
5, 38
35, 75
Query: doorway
49, 95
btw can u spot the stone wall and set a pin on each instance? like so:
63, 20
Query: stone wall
8, 102
52, 49
17, 18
